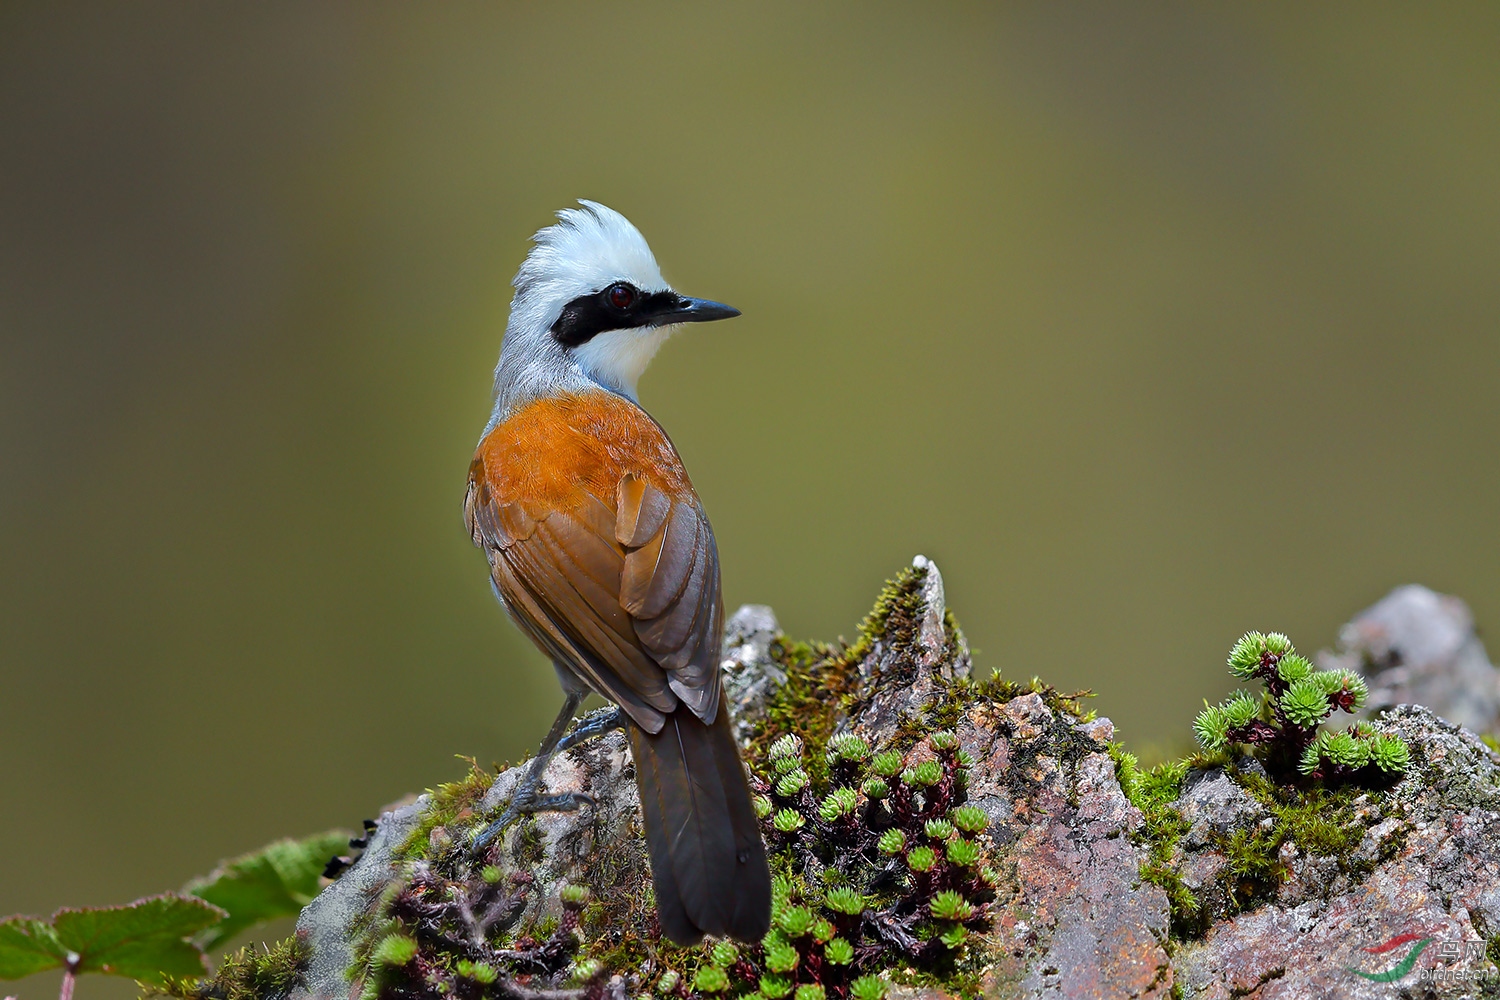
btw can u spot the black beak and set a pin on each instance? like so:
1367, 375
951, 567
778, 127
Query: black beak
686, 310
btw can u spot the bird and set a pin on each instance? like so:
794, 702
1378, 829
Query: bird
600, 551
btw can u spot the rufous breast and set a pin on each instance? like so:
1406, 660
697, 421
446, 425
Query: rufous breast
554, 453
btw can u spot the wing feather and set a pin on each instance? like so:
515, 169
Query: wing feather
539, 622
619, 583
642, 510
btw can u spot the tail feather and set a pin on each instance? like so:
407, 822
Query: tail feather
708, 864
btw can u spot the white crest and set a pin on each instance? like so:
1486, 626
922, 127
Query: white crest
588, 249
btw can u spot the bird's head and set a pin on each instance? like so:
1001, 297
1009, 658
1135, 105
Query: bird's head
590, 300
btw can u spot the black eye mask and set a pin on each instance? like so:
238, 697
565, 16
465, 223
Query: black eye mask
590, 315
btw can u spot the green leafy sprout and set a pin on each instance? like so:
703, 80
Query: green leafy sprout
1284, 724
898, 846
710, 979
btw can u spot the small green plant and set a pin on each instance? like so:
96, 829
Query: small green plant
788, 821
949, 905
1283, 724
840, 803
710, 979
792, 783
902, 874
969, 819
774, 987
480, 972
585, 969
395, 949
848, 748
850, 902
839, 951
964, 853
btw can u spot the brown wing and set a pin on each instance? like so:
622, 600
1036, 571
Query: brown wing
624, 592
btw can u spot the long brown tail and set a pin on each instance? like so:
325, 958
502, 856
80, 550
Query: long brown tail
707, 859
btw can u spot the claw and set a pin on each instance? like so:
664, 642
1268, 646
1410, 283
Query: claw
562, 802
524, 803
525, 800
596, 723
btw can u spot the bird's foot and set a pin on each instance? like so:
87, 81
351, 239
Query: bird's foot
525, 802
596, 723
563, 802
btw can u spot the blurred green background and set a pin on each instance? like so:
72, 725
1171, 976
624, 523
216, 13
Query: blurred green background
1149, 323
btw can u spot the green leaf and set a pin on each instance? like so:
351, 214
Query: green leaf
788, 746
276, 881
774, 987
27, 945
710, 979
1390, 753
846, 900
142, 940
839, 951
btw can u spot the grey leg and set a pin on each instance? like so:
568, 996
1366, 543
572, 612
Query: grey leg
525, 798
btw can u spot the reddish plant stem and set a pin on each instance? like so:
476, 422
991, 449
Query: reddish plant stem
70, 974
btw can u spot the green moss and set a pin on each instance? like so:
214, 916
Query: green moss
1318, 820
450, 803
957, 979
998, 689
527, 847
807, 705
896, 617
1155, 794
264, 973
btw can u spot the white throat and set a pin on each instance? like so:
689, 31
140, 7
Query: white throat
617, 359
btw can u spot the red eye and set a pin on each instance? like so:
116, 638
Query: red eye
621, 296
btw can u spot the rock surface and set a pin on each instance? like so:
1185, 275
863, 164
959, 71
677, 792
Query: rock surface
328, 923
1079, 922
1071, 916
751, 675
1418, 647
1431, 848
